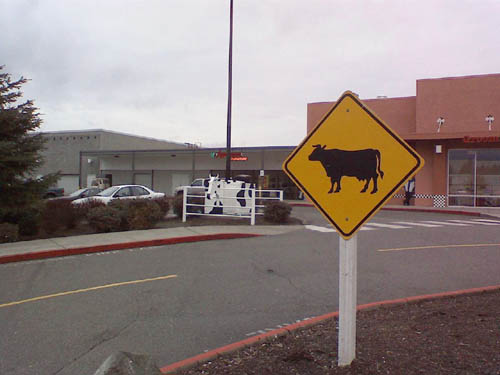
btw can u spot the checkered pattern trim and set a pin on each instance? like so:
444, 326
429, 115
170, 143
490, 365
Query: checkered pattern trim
438, 200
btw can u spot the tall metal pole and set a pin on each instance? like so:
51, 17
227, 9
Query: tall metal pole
229, 95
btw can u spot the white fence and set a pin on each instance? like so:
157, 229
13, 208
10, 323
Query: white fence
197, 202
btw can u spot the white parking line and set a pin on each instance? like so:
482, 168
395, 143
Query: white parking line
474, 222
390, 226
488, 221
445, 223
330, 230
419, 224
320, 229
364, 227
411, 224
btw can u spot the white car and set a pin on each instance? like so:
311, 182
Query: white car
195, 188
122, 192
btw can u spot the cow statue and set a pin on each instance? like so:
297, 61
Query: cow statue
228, 197
362, 164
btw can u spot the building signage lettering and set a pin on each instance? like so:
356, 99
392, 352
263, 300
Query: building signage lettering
489, 139
235, 156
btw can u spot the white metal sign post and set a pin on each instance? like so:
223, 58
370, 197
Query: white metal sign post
348, 276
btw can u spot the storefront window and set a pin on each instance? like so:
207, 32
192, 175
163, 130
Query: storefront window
488, 178
474, 178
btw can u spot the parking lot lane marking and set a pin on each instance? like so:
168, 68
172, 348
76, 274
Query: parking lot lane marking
446, 223
320, 229
473, 222
439, 247
34, 299
418, 224
488, 221
390, 226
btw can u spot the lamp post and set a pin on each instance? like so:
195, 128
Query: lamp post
489, 119
229, 94
440, 122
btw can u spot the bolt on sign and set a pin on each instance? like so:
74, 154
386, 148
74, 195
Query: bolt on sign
351, 164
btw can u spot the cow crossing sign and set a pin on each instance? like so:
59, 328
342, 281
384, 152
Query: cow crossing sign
351, 164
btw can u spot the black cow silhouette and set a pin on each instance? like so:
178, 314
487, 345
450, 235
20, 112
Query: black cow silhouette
362, 164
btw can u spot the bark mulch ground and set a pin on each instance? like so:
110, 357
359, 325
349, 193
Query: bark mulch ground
452, 335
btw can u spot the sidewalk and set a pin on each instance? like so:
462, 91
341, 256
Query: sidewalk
92, 243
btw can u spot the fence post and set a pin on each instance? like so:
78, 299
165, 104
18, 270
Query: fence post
184, 203
281, 195
252, 218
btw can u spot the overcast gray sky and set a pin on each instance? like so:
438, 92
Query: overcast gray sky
158, 68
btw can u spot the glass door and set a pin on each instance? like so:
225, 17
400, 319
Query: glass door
474, 178
488, 178
461, 176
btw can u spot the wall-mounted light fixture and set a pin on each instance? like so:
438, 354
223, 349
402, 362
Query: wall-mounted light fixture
440, 121
489, 119
439, 149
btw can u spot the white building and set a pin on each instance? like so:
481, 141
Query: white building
160, 165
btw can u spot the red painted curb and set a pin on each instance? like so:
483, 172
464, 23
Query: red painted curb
120, 246
204, 357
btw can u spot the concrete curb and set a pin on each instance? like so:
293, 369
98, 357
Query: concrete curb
212, 354
120, 246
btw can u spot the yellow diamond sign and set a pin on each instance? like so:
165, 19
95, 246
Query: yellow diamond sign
351, 164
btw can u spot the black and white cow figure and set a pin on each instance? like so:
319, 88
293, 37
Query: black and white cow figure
228, 197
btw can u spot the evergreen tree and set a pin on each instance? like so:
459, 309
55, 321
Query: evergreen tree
20, 148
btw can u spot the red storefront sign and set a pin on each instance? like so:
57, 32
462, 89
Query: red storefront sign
489, 139
235, 156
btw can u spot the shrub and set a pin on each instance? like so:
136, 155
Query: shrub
177, 202
29, 221
164, 204
122, 209
83, 209
59, 213
177, 205
104, 219
277, 212
8, 232
143, 214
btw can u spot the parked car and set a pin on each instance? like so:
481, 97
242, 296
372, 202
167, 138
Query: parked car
122, 192
101, 182
197, 184
82, 193
53, 192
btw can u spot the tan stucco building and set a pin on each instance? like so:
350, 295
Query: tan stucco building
451, 124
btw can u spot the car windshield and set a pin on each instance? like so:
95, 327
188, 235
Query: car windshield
77, 193
108, 192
